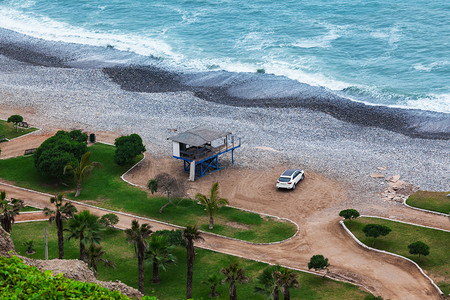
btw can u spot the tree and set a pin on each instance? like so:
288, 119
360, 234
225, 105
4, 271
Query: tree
234, 274
318, 262
81, 169
213, 281
127, 148
84, 226
94, 255
175, 237
109, 220
61, 212
286, 279
8, 211
190, 234
375, 230
270, 288
16, 119
153, 185
419, 248
56, 152
169, 185
349, 214
137, 235
213, 203
160, 252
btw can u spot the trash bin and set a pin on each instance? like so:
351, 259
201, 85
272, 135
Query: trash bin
92, 137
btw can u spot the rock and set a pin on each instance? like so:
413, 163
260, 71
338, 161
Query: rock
393, 179
377, 175
381, 168
6, 244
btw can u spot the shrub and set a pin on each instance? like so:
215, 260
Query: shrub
109, 220
127, 148
17, 279
419, 248
375, 230
349, 214
318, 262
57, 151
175, 237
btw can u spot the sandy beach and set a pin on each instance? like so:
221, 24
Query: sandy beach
338, 153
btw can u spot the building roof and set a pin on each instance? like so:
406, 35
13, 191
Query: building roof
198, 136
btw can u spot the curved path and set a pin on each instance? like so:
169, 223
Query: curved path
314, 207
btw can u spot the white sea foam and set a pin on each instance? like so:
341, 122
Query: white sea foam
48, 29
323, 41
431, 66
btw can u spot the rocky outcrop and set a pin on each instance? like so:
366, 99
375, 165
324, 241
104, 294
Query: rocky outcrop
398, 190
70, 268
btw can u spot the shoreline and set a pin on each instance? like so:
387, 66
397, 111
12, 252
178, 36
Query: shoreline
87, 98
231, 89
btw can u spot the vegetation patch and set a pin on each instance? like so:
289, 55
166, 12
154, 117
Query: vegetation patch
436, 263
106, 187
10, 131
173, 281
435, 201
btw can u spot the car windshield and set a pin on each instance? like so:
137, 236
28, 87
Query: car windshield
284, 179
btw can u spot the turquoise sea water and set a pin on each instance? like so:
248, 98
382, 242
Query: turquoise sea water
394, 53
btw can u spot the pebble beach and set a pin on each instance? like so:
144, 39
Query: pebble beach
89, 99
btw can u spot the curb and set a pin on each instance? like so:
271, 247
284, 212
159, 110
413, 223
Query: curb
425, 210
389, 253
409, 223
291, 268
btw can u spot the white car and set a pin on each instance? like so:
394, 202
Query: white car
290, 178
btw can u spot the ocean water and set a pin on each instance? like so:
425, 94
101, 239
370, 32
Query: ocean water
390, 53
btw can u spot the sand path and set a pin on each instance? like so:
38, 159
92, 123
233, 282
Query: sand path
314, 205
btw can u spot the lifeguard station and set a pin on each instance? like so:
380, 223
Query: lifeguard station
200, 148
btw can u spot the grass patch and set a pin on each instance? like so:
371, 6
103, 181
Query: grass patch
436, 263
435, 201
11, 132
107, 190
173, 281
30, 208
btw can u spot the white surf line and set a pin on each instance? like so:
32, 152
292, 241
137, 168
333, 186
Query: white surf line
409, 223
425, 210
389, 253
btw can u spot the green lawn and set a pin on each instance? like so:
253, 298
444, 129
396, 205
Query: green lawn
11, 132
30, 208
437, 263
173, 281
104, 188
435, 201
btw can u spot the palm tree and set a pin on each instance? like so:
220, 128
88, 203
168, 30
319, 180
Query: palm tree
234, 274
94, 255
269, 282
61, 212
81, 169
160, 251
213, 281
190, 234
137, 235
286, 279
8, 211
85, 226
213, 203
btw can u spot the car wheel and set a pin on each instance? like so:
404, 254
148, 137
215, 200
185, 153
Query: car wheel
293, 186
303, 177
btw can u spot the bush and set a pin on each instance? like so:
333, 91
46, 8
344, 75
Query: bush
175, 237
318, 262
19, 281
349, 214
375, 230
127, 148
15, 119
109, 220
57, 151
